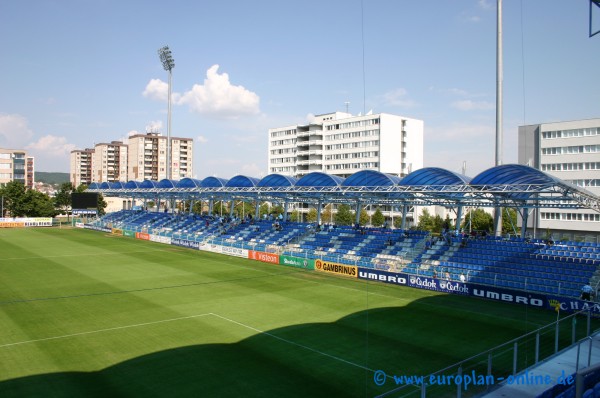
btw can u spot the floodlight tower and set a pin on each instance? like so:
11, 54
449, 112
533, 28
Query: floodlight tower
168, 64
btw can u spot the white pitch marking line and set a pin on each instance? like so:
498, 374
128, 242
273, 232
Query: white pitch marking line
103, 330
292, 342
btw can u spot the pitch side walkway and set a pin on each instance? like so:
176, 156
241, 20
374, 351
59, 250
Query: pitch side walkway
562, 364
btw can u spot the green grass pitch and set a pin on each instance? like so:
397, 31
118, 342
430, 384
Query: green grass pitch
87, 314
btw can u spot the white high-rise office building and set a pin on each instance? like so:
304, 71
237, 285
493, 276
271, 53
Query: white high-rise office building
569, 151
342, 144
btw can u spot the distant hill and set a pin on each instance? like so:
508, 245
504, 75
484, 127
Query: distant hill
51, 178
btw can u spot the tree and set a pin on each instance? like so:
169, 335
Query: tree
14, 199
426, 221
101, 205
378, 218
509, 221
62, 199
344, 215
480, 221
363, 219
327, 213
39, 204
311, 216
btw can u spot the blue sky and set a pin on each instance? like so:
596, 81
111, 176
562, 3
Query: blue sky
79, 72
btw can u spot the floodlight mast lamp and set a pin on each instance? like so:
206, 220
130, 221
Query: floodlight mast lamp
168, 64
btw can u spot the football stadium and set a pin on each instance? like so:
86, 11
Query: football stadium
163, 301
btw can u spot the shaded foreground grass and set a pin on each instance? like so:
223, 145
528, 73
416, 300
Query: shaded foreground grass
86, 314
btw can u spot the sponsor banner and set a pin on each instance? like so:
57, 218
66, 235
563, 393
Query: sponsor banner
96, 228
209, 247
383, 276
162, 239
142, 236
117, 231
12, 224
79, 225
20, 222
129, 234
234, 251
439, 285
335, 268
264, 257
297, 262
508, 296
571, 304
190, 244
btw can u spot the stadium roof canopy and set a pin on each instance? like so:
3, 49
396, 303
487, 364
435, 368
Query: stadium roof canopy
509, 185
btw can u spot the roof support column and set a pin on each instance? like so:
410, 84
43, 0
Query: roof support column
231, 206
404, 211
358, 209
319, 204
257, 211
285, 210
158, 204
525, 216
498, 221
210, 206
191, 206
459, 215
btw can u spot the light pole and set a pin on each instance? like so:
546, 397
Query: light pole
168, 64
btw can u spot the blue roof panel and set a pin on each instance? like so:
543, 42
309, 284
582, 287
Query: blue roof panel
189, 183
319, 179
167, 183
370, 178
277, 180
213, 182
241, 181
434, 176
148, 184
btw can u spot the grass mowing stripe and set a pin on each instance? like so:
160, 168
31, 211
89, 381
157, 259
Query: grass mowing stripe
292, 342
83, 255
103, 330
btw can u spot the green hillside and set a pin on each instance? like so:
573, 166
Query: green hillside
51, 177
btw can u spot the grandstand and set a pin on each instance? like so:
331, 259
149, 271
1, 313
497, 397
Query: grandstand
515, 263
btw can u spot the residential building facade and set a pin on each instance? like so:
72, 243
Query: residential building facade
570, 151
341, 144
109, 162
148, 159
15, 165
81, 166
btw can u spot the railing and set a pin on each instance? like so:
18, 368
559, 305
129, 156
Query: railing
507, 360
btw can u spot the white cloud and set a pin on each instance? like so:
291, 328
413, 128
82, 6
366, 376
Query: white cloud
51, 153
52, 145
398, 97
252, 170
202, 139
468, 105
218, 97
154, 126
14, 131
485, 4
156, 89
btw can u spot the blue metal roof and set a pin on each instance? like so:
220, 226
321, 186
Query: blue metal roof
277, 180
241, 181
434, 176
319, 179
167, 183
370, 178
104, 185
116, 185
214, 182
132, 184
147, 184
189, 183
512, 174
93, 185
